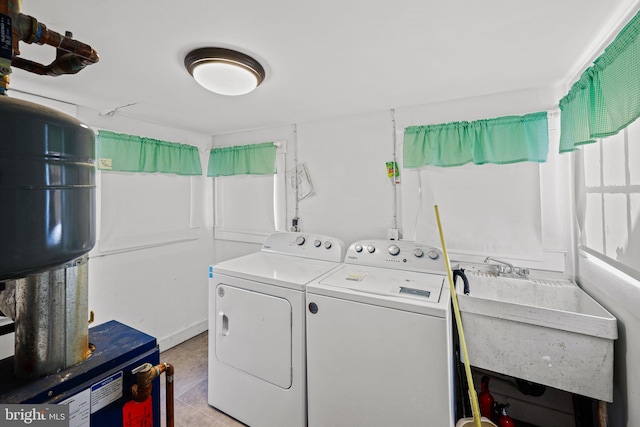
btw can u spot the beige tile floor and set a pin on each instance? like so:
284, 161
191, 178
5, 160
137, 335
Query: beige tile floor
191, 409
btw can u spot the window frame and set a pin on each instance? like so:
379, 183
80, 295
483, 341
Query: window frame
221, 232
583, 190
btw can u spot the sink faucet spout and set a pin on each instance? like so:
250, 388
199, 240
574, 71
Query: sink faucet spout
506, 268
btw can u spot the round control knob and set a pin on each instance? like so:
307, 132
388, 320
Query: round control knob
317, 243
419, 253
371, 249
327, 244
358, 247
394, 250
433, 254
300, 240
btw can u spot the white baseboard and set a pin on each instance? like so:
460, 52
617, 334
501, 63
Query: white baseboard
183, 335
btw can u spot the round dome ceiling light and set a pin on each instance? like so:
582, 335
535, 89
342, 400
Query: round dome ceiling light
224, 71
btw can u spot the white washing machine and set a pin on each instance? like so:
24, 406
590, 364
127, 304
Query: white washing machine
379, 343
257, 360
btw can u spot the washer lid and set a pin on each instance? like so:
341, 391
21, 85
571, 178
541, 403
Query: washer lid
386, 282
280, 270
423, 293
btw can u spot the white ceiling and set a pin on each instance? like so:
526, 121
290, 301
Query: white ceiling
323, 59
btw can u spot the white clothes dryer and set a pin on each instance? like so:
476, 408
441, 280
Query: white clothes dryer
257, 358
379, 339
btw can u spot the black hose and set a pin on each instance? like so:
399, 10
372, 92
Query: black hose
465, 281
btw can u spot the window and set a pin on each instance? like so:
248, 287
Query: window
608, 195
147, 192
486, 210
250, 207
492, 207
140, 210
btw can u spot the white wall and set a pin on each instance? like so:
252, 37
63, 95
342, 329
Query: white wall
346, 159
354, 198
620, 294
160, 290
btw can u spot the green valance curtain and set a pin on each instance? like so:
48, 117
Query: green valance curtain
130, 153
255, 159
501, 140
606, 98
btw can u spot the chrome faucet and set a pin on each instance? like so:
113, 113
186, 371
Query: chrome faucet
507, 268
503, 266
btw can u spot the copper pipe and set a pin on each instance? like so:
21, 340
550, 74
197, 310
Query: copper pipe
4, 7
169, 394
142, 389
67, 63
71, 55
603, 419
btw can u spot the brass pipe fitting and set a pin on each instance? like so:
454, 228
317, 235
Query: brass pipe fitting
145, 375
142, 389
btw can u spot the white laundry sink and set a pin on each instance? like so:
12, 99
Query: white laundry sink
546, 331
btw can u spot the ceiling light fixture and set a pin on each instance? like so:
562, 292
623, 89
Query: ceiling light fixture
224, 71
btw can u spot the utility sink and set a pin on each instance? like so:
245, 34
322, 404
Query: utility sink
547, 331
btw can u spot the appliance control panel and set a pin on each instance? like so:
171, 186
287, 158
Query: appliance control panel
306, 245
397, 254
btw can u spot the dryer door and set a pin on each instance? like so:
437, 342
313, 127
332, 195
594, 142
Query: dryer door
253, 333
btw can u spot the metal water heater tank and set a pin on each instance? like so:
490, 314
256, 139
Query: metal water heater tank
47, 188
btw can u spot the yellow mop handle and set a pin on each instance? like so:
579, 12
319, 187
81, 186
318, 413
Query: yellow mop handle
456, 309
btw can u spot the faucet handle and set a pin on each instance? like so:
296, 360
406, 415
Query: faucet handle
504, 269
